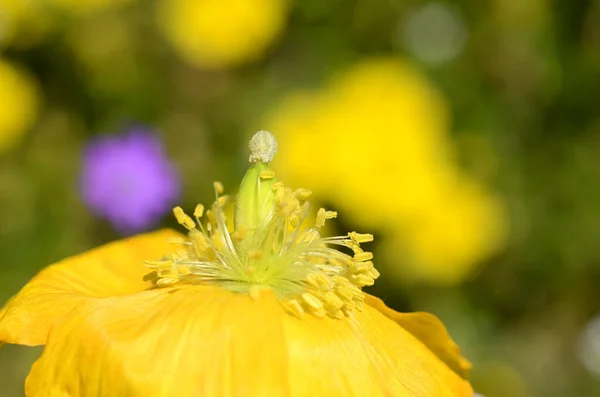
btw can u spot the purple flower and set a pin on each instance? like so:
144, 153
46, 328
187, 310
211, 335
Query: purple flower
129, 180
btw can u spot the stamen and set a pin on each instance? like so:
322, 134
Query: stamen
269, 247
330, 214
294, 307
360, 238
199, 211
276, 185
183, 219
320, 218
302, 194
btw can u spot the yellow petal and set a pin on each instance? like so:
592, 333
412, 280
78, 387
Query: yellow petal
113, 269
365, 355
193, 341
430, 331
185, 341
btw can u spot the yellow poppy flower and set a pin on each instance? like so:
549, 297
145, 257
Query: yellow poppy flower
265, 307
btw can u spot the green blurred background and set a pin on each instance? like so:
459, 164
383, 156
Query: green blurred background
465, 135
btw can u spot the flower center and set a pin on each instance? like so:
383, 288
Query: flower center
271, 245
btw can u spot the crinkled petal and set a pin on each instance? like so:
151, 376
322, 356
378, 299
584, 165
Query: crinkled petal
185, 342
365, 355
113, 269
430, 331
205, 341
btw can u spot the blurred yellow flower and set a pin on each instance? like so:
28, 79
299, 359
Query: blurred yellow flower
381, 131
221, 33
18, 104
458, 230
264, 308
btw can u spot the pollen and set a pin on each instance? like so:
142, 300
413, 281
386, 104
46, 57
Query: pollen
272, 245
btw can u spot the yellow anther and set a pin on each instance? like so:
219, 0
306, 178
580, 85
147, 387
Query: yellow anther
294, 307
363, 280
218, 187
183, 270
339, 280
360, 237
181, 253
361, 267
280, 195
358, 294
239, 234
158, 263
201, 244
268, 174
363, 256
312, 301
302, 194
183, 219
320, 281
311, 279
294, 221
164, 282
255, 254
199, 211
200, 240
333, 300
151, 264
344, 292
339, 314
210, 215
222, 200
290, 206
217, 239
348, 291
330, 214
178, 212
324, 281
316, 260
320, 218
168, 273
373, 273
323, 215
320, 312
276, 185
359, 305
356, 248
164, 266
174, 256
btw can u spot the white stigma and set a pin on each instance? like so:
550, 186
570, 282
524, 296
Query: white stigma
263, 147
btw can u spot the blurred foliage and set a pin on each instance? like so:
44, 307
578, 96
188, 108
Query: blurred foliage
463, 134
